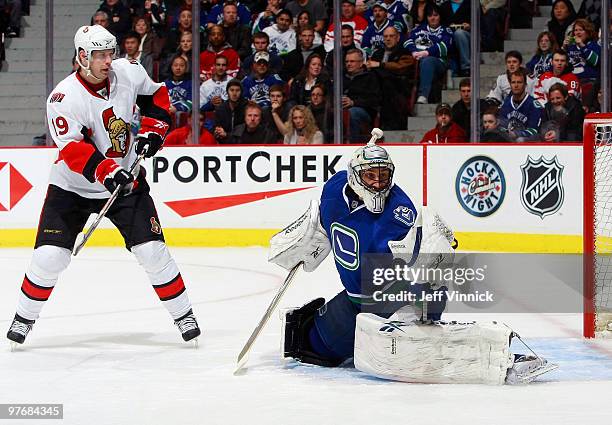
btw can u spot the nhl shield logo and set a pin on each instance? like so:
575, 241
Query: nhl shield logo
542, 189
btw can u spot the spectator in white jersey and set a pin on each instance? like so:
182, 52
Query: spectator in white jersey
213, 91
282, 36
514, 61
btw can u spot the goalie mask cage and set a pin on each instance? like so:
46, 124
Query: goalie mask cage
597, 226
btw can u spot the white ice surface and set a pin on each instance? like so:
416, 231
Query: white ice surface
105, 348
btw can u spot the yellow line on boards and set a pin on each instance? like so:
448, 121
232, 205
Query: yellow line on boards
468, 241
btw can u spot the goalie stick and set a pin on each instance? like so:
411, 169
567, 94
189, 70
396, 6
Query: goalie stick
79, 245
244, 354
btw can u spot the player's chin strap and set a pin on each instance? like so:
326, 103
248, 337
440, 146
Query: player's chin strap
87, 69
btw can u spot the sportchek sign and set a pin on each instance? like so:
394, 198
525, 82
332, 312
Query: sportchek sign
267, 187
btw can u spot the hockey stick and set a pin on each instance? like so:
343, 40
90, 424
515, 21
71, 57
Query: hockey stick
78, 246
244, 354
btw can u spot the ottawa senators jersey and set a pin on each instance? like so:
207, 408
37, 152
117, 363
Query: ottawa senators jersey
88, 126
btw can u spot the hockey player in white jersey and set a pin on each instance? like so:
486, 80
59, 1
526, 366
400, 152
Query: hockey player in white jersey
89, 115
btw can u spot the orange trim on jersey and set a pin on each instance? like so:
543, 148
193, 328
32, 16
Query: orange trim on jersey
35, 292
171, 289
90, 88
76, 154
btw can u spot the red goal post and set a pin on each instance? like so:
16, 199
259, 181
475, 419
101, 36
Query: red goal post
597, 225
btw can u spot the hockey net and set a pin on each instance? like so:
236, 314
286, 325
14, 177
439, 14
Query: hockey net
597, 231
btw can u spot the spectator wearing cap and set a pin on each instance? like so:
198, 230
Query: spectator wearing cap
396, 12
392, 64
294, 61
257, 85
131, 44
361, 96
238, 35
215, 15
282, 36
254, 130
230, 113
120, 17
218, 46
429, 44
261, 43
520, 113
445, 131
456, 14
349, 17
563, 116
316, 11
373, 35
214, 90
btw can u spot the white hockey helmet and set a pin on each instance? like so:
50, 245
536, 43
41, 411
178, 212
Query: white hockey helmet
91, 38
368, 157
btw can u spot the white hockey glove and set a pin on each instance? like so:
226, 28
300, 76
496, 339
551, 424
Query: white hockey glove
303, 240
430, 235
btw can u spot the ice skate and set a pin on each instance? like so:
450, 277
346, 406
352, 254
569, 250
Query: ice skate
188, 326
19, 330
527, 368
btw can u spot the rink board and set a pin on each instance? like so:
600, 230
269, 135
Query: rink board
241, 195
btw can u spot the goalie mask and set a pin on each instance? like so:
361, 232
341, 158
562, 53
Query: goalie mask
370, 175
90, 39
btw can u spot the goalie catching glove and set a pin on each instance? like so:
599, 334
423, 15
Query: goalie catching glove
304, 240
151, 136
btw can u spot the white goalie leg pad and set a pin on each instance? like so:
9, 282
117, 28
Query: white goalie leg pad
47, 263
303, 240
439, 353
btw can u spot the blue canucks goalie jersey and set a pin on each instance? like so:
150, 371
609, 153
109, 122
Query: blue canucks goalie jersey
354, 231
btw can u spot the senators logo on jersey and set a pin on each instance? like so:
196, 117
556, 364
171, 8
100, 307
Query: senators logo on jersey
118, 133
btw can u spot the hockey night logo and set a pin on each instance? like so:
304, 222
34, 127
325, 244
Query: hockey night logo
480, 186
542, 191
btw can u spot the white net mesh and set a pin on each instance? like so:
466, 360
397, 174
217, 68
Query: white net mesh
603, 226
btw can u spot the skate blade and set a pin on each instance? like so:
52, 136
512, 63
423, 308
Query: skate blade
548, 367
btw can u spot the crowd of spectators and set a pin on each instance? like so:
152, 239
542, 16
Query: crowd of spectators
266, 66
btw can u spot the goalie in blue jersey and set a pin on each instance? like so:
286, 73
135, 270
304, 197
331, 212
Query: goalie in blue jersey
362, 212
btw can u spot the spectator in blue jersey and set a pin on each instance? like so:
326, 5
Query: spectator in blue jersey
261, 43
179, 86
293, 62
120, 21
257, 85
237, 34
521, 113
456, 14
362, 95
396, 12
541, 62
584, 51
429, 44
215, 16
563, 116
267, 17
373, 35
